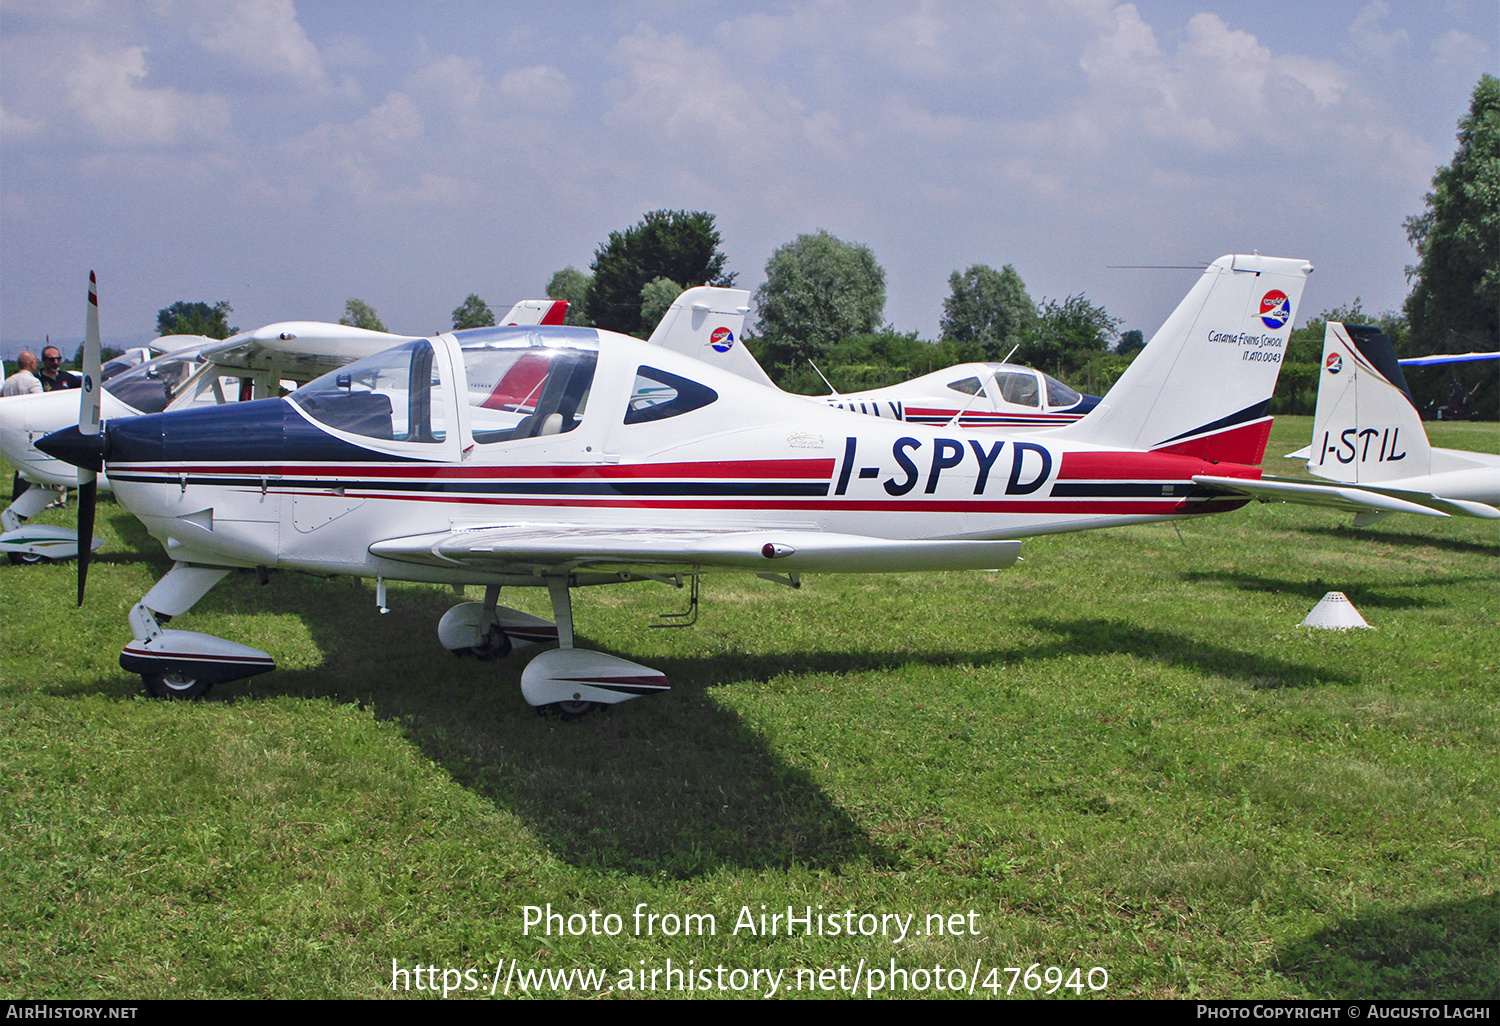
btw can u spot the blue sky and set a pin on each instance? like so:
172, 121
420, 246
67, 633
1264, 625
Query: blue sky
286, 157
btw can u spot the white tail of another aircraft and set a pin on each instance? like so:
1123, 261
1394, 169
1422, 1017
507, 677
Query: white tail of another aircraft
708, 324
537, 311
1202, 385
1365, 430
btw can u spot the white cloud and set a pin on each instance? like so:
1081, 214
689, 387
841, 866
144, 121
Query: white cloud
16, 126
105, 90
1458, 49
537, 88
690, 95
1367, 37
261, 37
1220, 88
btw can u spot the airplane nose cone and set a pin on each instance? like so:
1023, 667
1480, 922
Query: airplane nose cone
73, 446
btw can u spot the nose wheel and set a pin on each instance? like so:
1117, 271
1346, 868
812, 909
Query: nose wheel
175, 684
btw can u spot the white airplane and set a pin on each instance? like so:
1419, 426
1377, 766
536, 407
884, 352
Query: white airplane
974, 395
193, 370
562, 457
1369, 439
970, 395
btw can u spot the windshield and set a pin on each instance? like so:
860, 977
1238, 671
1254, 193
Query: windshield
395, 395
1059, 394
151, 387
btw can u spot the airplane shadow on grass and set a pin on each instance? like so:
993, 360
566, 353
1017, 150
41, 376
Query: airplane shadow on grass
1404, 540
1313, 590
674, 786
1441, 951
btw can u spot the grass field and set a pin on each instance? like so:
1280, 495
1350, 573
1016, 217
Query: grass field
1124, 753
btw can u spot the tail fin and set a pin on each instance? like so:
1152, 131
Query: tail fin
706, 323
1366, 429
1202, 385
537, 311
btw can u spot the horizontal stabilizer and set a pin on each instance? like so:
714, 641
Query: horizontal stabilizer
1353, 498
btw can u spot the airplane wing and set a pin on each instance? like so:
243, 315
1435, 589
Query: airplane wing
1352, 498
299, 350
527, 548
1428, 361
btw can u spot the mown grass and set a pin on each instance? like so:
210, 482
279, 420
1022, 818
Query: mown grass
1123, 753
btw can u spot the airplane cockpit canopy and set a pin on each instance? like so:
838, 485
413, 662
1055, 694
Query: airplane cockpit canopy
152, 386
527, 382
518, 382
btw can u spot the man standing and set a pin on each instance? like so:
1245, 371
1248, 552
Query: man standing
52, 375
23, 381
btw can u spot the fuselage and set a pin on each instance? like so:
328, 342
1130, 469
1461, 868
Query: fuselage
572, 427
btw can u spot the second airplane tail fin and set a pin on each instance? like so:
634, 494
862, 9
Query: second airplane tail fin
1202, 385
1365, 429
707, 323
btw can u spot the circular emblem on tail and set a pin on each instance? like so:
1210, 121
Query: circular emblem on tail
722, 340
1335, 363
1275, 309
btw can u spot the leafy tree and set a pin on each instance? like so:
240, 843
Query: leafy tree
473, 312
656, 299
1454, 305
1065, 333
676, 244
573, 285
818, 290
987, 307
1455, 298
1131, 341
196, 319
359, 314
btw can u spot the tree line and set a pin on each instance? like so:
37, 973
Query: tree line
823, 299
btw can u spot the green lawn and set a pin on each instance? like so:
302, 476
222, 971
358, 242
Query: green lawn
1123, 753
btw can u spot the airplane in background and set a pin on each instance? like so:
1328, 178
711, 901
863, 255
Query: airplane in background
563, 457
1368, 438
974, 395
970, 395
193, 369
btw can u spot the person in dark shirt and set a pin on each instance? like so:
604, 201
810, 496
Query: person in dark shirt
52, 376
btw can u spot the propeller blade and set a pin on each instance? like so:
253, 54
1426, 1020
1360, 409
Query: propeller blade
90, 404
88, 491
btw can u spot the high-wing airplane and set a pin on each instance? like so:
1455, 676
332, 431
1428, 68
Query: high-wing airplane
563, 457
192, 370
1368, 439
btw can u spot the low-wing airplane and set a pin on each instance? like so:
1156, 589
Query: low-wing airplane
1368, 438
974, 395
193, 369
968, 395
563, 457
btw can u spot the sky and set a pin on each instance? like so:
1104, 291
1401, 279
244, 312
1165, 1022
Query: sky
284, 157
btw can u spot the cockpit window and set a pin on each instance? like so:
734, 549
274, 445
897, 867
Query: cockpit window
395, 396
968, 386
1058, 394
150, 387
526, 392
658, 395
1018, 388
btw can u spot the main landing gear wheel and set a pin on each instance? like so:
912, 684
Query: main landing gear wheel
568, 710
26, 558
175, 685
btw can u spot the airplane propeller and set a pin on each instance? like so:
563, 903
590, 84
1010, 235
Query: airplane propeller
89, 409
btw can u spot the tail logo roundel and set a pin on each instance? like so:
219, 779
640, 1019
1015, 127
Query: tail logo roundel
1275, 309
722, 340
1335, 363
